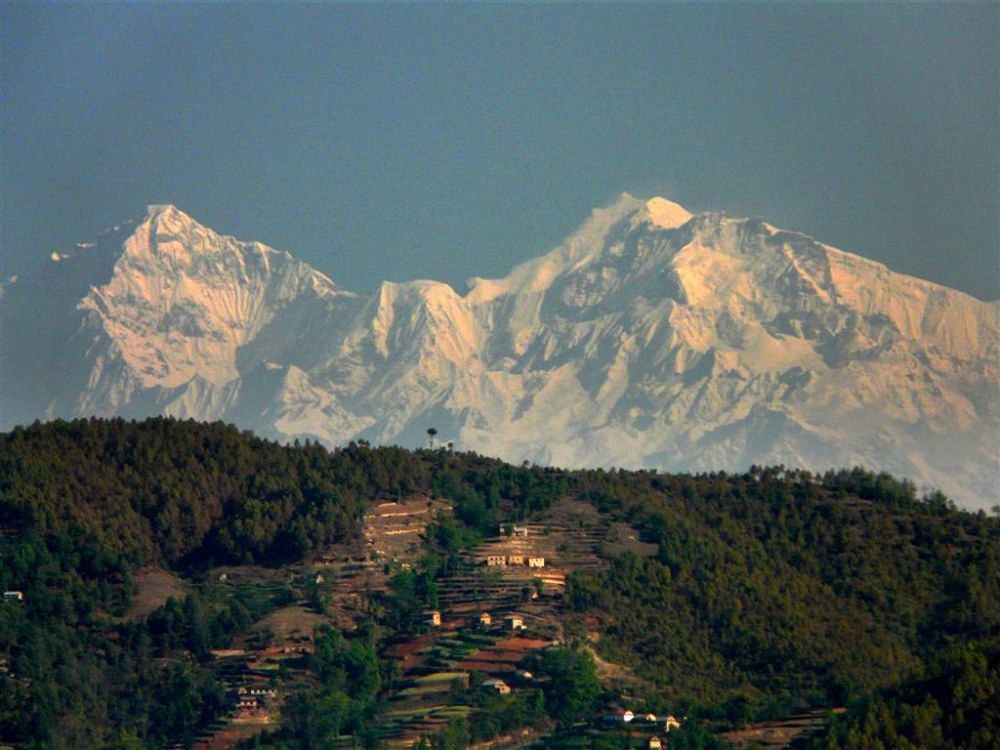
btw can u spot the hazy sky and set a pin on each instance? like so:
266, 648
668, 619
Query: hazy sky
445, 141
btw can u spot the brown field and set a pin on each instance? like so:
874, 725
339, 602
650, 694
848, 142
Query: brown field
516, 643
155, 585
230, 735
493, 667
506, 656
777, 735
290, 623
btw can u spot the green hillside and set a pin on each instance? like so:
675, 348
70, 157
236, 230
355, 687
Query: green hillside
740, 596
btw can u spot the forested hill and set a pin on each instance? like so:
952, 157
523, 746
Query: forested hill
174, 492
759, 590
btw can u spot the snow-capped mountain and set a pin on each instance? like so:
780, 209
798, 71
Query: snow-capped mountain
648, 338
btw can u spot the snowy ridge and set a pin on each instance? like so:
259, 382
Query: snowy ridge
193, 298
650, 337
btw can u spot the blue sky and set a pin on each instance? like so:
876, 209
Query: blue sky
445, 141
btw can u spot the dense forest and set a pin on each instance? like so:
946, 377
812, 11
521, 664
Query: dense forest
955, 704
777, 585
768, 591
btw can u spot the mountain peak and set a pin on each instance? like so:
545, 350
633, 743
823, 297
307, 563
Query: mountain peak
666, 214
155, 209
726, 343
169, 216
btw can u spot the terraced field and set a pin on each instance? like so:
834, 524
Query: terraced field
437, 666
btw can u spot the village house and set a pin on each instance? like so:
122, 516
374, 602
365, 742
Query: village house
13, 596
486, 619
497, 685
536, 562
618, 715
520, 531
496, 561
251, 709
432, 618
248, 704
514, 622
654, 744
515, 559
671, 723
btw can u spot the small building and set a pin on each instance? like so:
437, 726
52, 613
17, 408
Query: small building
432, 618
515, 559
13, 596
671, 723
496, 685
496, 561
486, 619
536, 562
251, 708
618, 715
514, 622
520, 531
654, 744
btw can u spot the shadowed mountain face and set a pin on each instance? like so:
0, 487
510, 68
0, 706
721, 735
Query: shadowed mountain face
649, 338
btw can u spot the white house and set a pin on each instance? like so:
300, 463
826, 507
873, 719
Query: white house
619, 715
13, 596
497, 685
514, 622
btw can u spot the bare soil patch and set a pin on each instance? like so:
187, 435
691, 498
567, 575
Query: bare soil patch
293, 623
154, 586
777, 735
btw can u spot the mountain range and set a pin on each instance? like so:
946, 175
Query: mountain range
649, 338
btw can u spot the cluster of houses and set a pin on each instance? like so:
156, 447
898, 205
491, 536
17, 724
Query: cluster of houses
510, 622
625, 716
504, 561
251, 702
